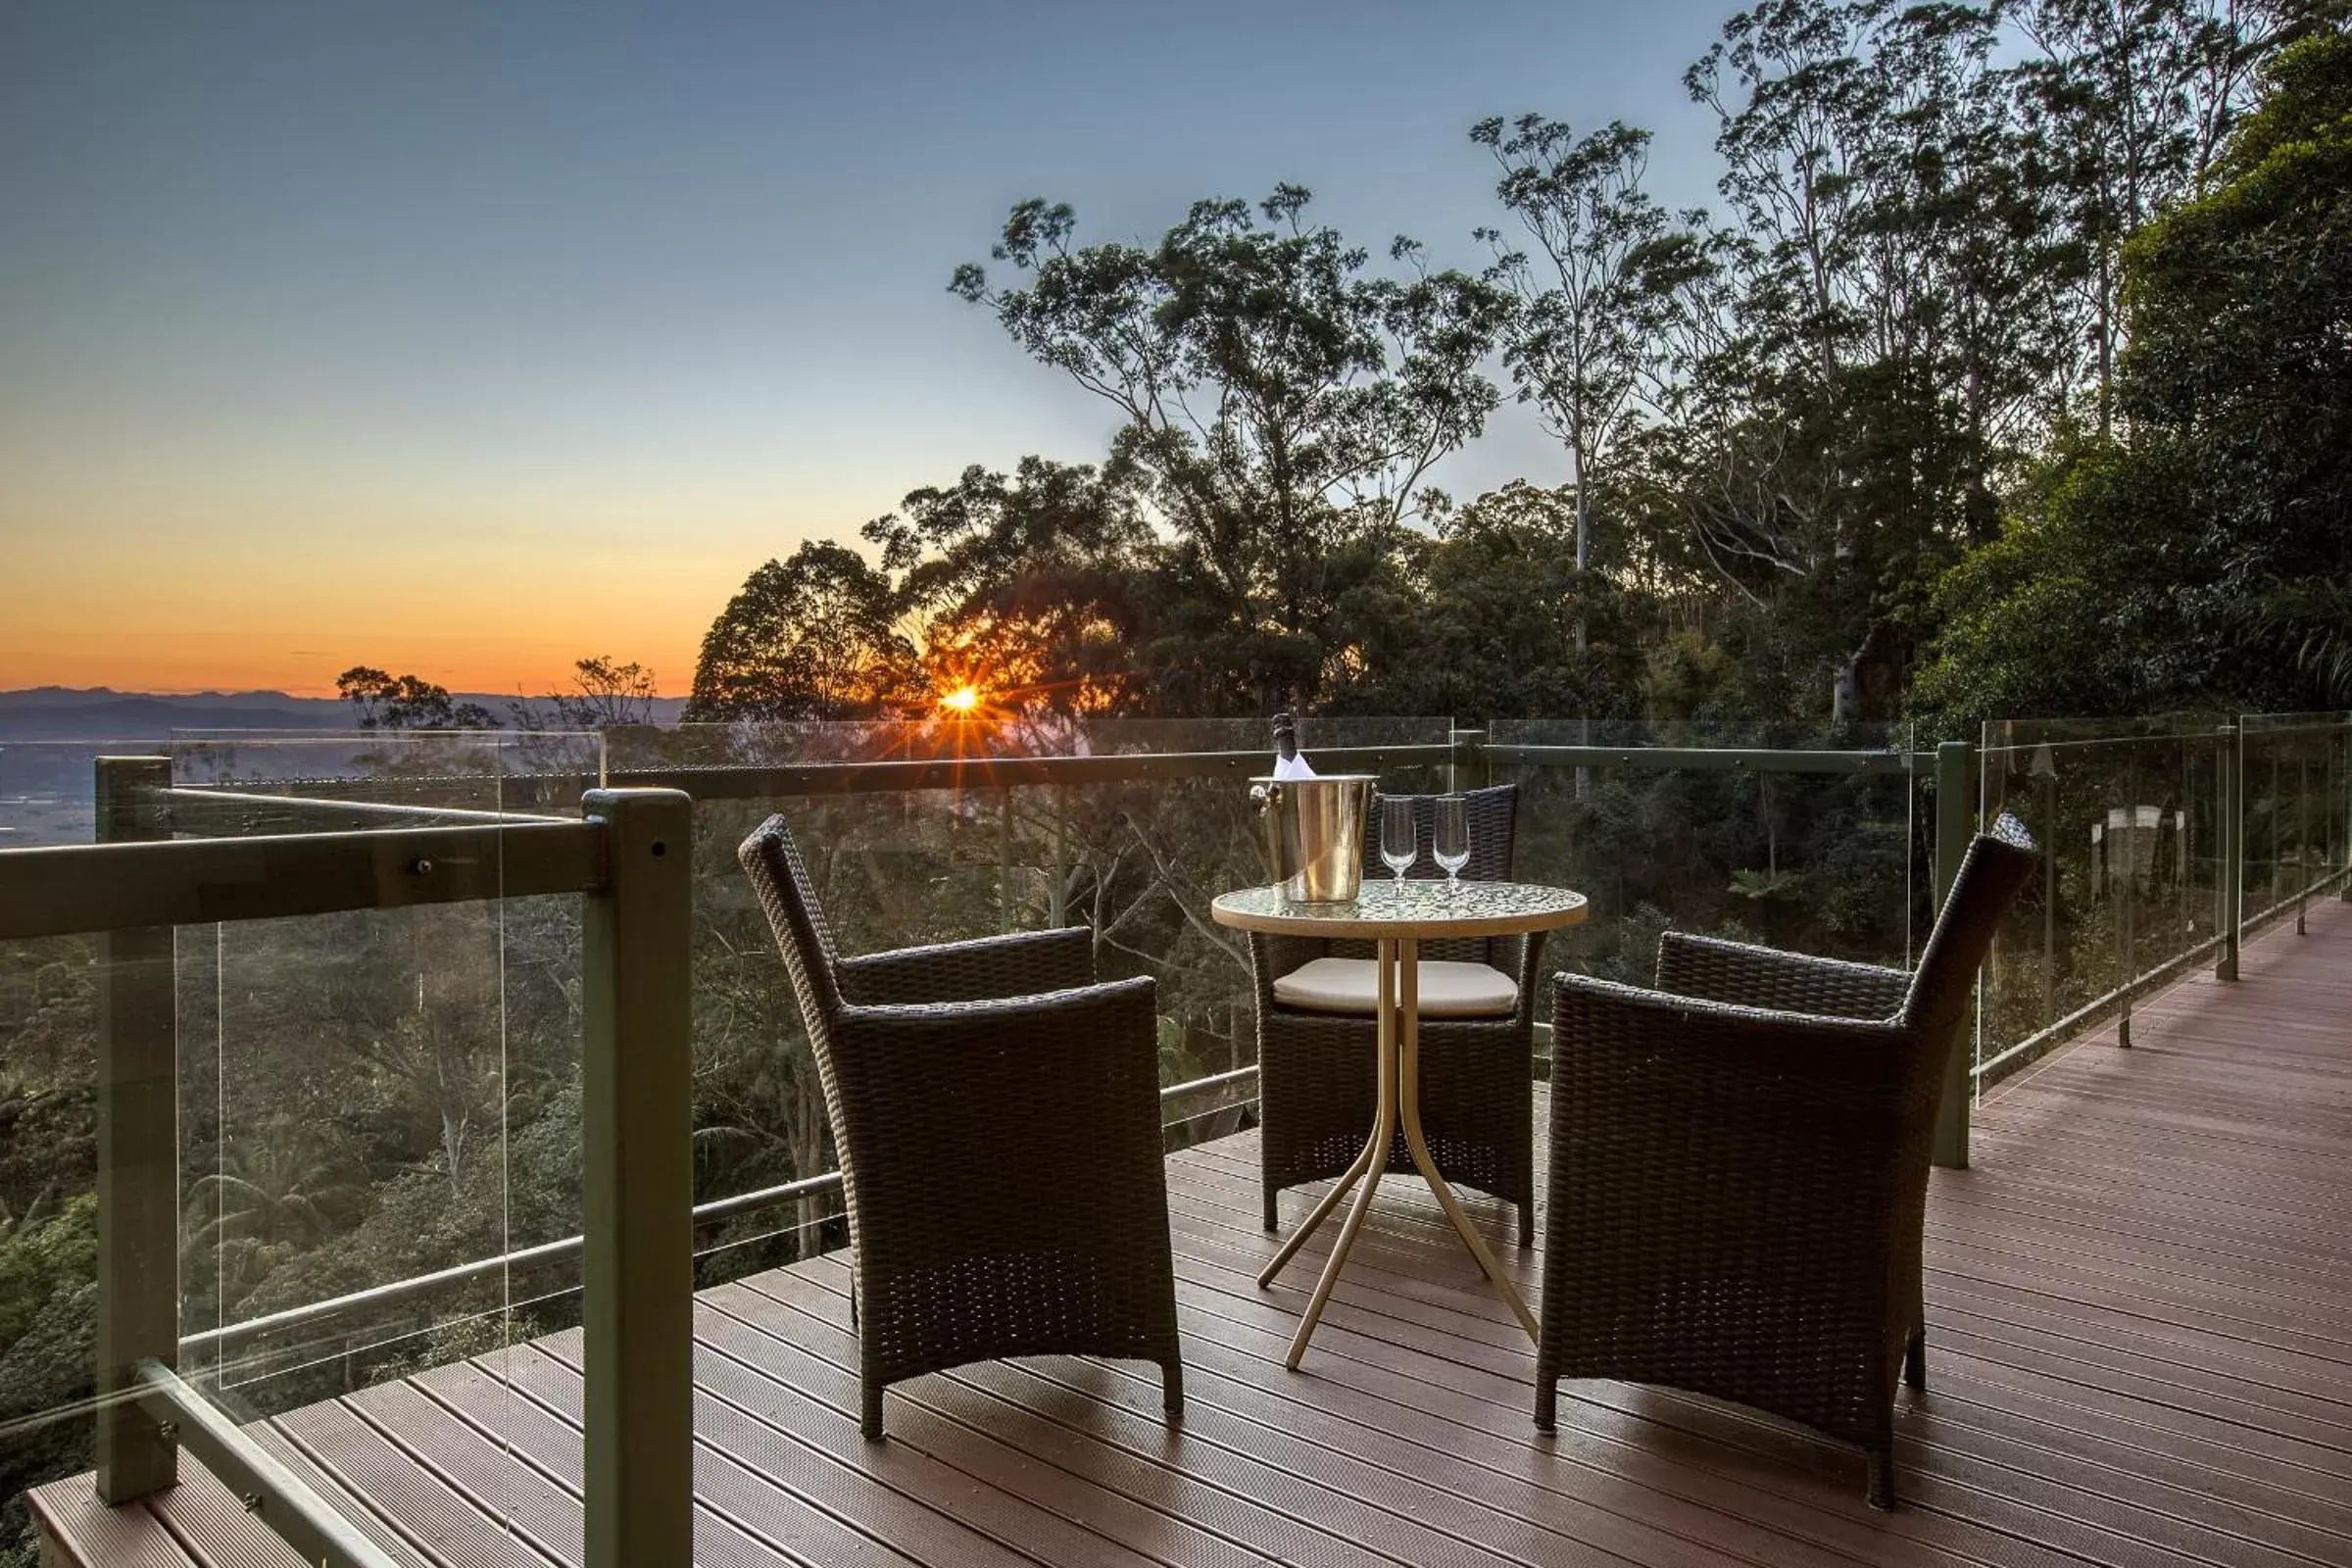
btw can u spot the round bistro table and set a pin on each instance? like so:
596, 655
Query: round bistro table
1397, 918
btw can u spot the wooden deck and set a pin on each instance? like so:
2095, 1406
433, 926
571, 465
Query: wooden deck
2140, 1341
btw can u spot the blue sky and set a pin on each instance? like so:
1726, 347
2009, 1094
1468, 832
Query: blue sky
472, 338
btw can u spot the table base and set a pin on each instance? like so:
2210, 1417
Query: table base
1398, 1034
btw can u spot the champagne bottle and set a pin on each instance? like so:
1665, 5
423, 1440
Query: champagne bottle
1288, 763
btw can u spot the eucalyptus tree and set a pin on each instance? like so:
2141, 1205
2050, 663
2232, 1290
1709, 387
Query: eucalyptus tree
815, 636
1030, 586
1897, 291
1587, 345
406, 702
2131, 99
1281, 409
606, 694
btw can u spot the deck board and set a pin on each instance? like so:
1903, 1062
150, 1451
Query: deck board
2139, 1305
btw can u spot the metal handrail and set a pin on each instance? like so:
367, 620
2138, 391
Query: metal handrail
208, 810
85, 889
301, 1518
1710, 758
727, 781
730, 781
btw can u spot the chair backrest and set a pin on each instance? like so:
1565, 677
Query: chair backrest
1996, 865
772, 861
1494, 826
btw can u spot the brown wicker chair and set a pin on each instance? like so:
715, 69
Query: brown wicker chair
1739, 1169
1316, 1071
997, 1114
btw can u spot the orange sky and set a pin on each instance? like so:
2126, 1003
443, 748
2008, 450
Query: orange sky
141, 597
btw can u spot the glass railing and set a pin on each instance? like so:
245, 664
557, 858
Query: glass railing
47, 796
1810, 838
958, 828
2295, 771
2130, 822
377, 1022
49, 993
335, 1115
50, 990
375, 1097
2162, 841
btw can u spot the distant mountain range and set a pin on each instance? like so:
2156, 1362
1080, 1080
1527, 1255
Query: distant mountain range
64, 713
61, 713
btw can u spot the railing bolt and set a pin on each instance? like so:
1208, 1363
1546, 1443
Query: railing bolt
252, 1502
420, 866
168, 1431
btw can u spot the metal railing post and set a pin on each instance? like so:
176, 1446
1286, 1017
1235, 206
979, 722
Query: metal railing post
637, 1136
2345, 806
2302, 839
1468, 770
1057, 899
2126, 928
1955, 823
1004, 859
138, 1157
2230, 882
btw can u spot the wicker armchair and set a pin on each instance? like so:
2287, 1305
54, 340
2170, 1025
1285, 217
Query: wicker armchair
1739, 1169
997, 1114
1316, 1071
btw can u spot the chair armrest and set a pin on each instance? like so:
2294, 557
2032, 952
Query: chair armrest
1735, 972
1657, 1029
1024, 963
931, 1104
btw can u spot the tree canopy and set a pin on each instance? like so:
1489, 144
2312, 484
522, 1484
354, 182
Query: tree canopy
814, 636
406, 702
2200, 554
2013, 334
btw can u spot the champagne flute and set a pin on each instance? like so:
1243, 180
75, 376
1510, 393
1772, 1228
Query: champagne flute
1451, 840
1400, 844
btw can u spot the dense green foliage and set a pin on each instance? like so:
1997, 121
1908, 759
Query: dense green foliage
2199, 556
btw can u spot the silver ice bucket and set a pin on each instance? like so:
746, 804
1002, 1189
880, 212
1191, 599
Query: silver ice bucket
1315, 833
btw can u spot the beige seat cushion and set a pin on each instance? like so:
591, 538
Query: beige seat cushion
1449, 990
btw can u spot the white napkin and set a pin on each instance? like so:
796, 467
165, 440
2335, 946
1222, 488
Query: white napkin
1287, 767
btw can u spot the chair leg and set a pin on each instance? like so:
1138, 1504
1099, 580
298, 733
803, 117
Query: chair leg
1171, 1387
853, 1303
1882, 1476
869, 1419
1915, 1360
1527, 1224
1548, 1404
1272, 1194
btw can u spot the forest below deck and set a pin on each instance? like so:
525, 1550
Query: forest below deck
2138, 1355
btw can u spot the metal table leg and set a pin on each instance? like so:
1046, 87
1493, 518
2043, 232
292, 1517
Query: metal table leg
1398, 1033
1409, 1076
1370, 1166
